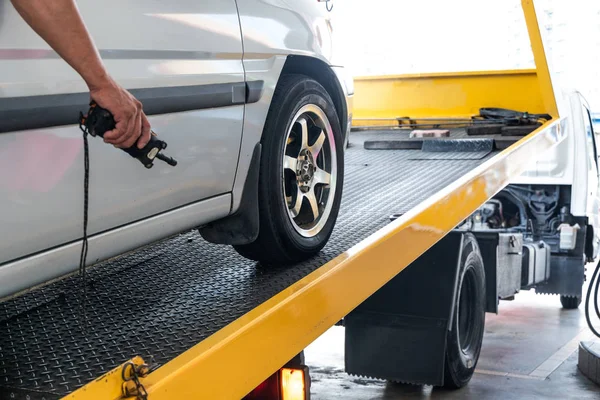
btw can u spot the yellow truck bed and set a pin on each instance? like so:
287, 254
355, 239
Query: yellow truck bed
184, 301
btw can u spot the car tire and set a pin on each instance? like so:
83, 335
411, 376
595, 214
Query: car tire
570, 302
301, 174
465, 337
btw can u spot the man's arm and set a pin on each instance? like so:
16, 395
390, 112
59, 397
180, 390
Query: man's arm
59, 23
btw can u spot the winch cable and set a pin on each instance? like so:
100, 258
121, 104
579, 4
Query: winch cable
97, 122
595, 285
84, 244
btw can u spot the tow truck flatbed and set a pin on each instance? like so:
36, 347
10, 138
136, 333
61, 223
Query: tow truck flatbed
161, 300
182, 302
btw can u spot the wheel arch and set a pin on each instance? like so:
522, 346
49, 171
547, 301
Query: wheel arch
241, 226
324, 74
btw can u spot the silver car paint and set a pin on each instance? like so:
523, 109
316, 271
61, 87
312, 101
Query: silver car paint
43, 267
185, 42
347, 83
41, 179
281, 27
160, 52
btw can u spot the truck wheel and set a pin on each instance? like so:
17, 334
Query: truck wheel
570, 302
301, 174
468, 320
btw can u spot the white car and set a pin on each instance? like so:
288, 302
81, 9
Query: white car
246, 93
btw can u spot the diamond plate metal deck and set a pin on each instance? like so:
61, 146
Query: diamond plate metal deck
160, 301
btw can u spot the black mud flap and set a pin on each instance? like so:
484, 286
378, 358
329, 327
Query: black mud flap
241, 227
567, 275
567, 271
399, 333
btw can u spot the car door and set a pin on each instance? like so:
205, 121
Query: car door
183, 57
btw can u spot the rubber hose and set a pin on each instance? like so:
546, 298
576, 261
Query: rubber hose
595, 284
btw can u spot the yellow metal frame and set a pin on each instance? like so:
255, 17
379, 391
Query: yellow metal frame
452, 95
539, 55
236, 359
379, 100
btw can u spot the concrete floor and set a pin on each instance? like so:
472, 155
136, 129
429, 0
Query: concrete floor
529, 352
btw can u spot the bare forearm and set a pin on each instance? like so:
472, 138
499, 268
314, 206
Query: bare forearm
59, 23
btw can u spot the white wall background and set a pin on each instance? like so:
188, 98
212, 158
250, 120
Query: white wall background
378, 37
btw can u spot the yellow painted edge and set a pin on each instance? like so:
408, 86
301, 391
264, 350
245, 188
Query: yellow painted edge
106, 387
240, 356
419, 119
446, 74
539, 55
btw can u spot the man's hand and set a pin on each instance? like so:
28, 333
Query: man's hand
132, 126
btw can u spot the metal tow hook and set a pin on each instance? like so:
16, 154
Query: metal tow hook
131, 382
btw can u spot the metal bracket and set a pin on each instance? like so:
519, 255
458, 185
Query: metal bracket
131, 374
118, 383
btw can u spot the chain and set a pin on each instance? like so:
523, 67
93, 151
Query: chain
137, 371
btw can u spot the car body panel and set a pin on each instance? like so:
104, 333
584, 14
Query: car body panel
347, 83
41, 179
276, 27
40, 268
203, 46
268, 70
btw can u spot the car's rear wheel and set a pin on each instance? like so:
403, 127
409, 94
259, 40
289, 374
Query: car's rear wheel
301, 174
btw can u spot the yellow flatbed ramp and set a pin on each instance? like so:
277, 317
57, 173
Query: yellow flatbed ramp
212, 325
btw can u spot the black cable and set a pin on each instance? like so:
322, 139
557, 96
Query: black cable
595, 283
84, 244
327, 5
512, 115
523, 189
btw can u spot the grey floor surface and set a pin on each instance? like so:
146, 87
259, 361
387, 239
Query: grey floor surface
529, 352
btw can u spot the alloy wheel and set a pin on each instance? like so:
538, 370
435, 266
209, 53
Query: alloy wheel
309, 170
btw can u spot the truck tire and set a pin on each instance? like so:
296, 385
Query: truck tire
301, 174
465, 337
570, 302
